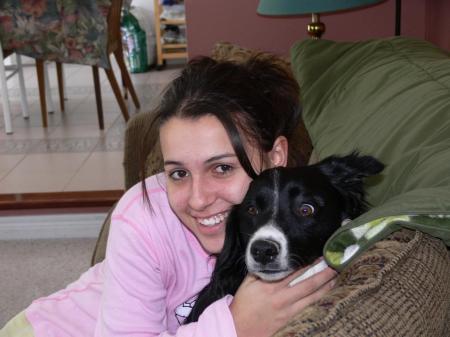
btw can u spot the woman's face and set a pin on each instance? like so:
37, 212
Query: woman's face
204, 176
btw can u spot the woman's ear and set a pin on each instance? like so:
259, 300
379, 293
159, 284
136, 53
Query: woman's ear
278, 156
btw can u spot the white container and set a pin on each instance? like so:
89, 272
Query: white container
146, 22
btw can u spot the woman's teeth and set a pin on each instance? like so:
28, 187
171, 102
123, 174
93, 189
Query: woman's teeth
214, 220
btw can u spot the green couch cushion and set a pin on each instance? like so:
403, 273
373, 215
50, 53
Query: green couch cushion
389, 98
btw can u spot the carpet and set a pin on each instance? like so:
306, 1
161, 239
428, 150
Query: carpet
30, 269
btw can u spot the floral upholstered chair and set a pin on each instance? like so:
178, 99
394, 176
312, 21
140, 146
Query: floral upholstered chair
67, 31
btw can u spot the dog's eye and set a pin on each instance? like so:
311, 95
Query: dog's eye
306, 210
252, 210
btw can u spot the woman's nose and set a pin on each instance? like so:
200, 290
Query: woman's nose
201, 195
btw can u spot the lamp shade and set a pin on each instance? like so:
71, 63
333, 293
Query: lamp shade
292, 7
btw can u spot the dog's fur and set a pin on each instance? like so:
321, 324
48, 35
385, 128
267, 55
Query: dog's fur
284, 221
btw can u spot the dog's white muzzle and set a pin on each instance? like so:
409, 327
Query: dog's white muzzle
267, 254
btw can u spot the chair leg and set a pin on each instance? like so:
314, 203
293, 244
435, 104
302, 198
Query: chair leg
59, 73
4, 94
98, 97
23, 91
124, 88
118, 53
41, 85
48, 93
116, 89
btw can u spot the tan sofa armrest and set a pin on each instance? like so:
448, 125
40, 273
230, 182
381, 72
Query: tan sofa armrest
400, 287
134, 136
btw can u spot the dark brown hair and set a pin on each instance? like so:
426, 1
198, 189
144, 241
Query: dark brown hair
258, 98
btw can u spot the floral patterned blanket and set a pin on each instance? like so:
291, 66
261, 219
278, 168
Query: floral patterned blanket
355, 237
69, 31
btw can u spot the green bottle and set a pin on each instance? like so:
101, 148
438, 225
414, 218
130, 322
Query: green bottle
135, 43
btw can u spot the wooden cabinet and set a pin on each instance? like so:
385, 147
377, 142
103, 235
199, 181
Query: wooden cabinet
167, 50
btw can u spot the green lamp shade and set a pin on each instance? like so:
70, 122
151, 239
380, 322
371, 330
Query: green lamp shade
292, 7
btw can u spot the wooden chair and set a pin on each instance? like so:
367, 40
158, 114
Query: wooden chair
114, 46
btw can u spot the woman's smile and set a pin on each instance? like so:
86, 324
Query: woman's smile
213, 220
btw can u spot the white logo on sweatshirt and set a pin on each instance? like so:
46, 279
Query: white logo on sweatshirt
183, 310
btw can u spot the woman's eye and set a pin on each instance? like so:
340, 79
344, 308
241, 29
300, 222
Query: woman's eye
223, 169
178, 174
306, 210
252, 210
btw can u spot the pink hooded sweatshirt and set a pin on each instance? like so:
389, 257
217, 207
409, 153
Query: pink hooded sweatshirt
153, 271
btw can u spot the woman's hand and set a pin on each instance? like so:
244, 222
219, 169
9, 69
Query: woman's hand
261, 308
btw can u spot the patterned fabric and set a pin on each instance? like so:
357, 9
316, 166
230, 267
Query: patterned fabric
68, 31
354, 238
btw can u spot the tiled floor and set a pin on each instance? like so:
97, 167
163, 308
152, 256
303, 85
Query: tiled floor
72, 154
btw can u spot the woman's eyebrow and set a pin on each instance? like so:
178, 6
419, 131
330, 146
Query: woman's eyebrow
173, 162
219, 157
208, 161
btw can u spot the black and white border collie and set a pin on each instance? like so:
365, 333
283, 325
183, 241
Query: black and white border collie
284, 221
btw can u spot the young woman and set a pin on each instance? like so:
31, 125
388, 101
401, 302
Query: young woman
220, 124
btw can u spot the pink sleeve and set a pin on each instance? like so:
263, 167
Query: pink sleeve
134, 297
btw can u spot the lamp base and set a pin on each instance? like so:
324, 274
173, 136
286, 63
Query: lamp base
316, 28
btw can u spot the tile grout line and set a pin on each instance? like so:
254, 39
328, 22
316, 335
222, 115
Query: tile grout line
13, 168
64, 189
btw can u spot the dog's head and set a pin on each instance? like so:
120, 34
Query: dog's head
288, 213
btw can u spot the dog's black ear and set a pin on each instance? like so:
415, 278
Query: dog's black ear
347, 174
228, 273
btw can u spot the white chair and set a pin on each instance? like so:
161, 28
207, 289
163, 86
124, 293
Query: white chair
23, 94
4, 90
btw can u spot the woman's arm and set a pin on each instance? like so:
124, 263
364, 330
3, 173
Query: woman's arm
134, 300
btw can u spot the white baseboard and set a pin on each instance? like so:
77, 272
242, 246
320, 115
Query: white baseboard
56, 226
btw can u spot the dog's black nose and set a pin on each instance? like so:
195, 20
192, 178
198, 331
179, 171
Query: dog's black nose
264, 251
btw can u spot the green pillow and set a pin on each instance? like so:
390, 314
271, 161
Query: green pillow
389, 98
